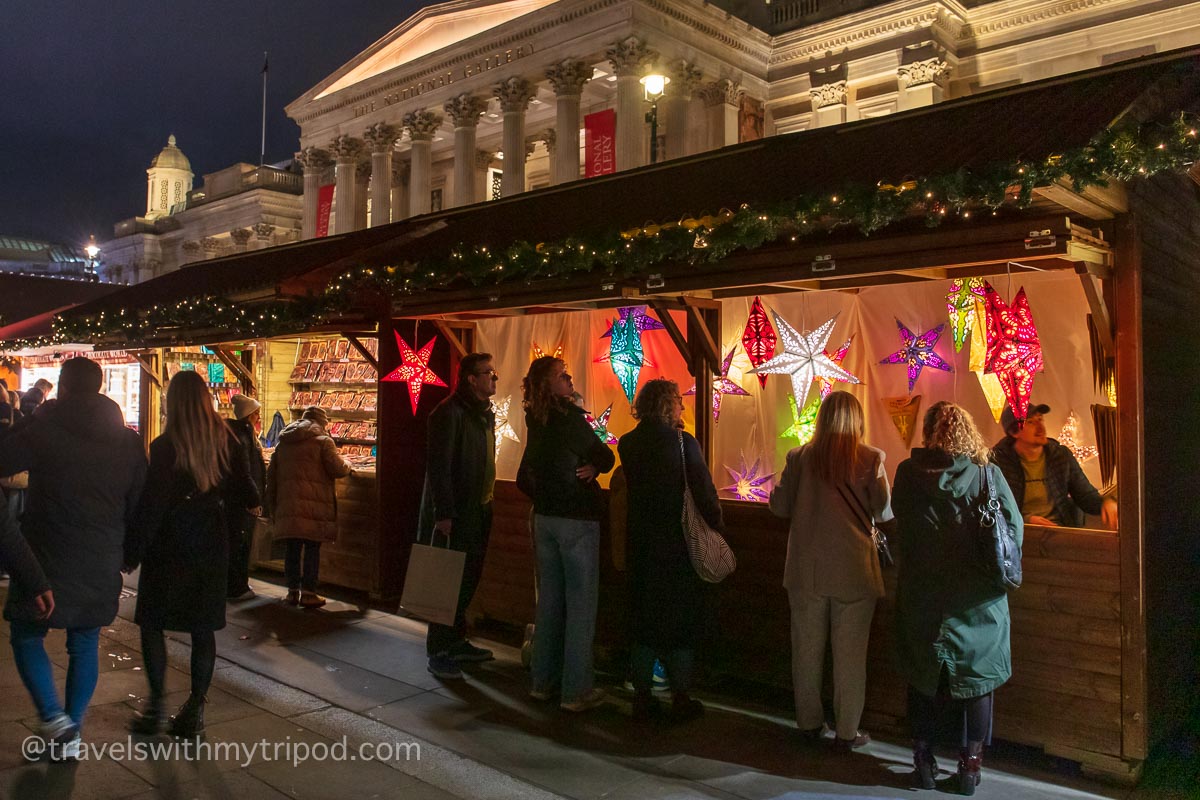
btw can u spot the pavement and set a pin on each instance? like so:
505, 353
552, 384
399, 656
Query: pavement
337, 703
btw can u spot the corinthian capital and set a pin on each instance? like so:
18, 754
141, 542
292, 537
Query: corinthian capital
920, 73
313, 159
347, 147
630, 56
568, 77
422, 125
830, 94
685, 78
382, 137
464, 110
514, 93
240, 236
484, 158
720, 91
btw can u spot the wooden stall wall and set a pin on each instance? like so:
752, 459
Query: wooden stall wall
1166, 229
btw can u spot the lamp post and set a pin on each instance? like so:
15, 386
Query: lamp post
654, 85
93, 250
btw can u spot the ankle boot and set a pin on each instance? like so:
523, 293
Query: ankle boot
150, 721
925, 764
189, 720
970, 763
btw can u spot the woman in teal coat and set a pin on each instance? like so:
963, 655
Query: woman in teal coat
952, 621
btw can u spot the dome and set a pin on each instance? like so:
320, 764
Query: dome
171, 157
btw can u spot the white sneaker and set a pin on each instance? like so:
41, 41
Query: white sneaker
68, 750
59, 728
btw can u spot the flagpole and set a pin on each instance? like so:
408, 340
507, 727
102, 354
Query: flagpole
263, 153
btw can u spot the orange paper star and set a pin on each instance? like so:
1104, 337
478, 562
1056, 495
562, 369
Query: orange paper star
414, 369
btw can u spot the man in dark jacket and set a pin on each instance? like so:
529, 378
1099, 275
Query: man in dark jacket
246, 415
86, 471
460, 472
1044, 476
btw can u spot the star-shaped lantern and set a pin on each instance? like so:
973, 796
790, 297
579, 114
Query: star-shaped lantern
960, 304
625, 354
989, 384
643, 321
1014, 351
804, 423
803, 358
759, 338
747, 483
1070, 430
917, 352
504, 430
837, 357
414, 369
722, 384
600, 425
539, 353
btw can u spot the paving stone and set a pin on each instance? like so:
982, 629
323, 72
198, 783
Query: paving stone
86, 780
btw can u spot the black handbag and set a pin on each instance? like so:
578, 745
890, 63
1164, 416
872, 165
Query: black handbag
872, 531
999, 555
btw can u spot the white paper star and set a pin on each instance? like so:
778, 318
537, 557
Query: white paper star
803, 358
503, 429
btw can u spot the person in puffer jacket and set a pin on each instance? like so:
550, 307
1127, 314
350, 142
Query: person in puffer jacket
301, 500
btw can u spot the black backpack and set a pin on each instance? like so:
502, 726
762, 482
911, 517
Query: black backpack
997, 553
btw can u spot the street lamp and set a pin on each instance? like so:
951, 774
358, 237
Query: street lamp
93, 250
655, 85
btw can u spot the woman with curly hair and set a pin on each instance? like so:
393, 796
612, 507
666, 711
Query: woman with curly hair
952, 621
558, 471
667, 599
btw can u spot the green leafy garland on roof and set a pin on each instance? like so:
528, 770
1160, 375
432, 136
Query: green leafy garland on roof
1122, 154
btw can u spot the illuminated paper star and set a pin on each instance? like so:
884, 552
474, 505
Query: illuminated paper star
503, 429
414, 369
803, 358
625, 354
960, 304
1070, 430
747, 483
641, 319
917, 352
539, 353
804, 423
600, 425
759, 338
990, 384
837, 357
1014, 352
722, 384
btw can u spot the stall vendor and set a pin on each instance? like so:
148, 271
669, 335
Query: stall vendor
1044, 476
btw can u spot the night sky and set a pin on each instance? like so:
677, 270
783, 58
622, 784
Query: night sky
92, 90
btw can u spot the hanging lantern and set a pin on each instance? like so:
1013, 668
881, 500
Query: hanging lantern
759, 338
414, 369
1014, 350
917, 352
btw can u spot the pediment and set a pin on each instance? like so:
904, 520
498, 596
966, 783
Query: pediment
428, 31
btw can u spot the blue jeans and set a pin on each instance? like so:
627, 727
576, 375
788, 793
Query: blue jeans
568, 559
83, 670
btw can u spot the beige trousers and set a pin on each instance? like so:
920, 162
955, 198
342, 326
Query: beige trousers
847, 626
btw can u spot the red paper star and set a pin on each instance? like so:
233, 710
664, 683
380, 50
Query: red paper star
759, 338
1014, 352
837, 357
414, 369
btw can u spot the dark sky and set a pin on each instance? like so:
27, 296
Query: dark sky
92, 89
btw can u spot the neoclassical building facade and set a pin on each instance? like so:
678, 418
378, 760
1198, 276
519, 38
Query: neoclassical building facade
474, 99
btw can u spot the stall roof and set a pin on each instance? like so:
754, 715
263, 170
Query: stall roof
26, 296
1030, 121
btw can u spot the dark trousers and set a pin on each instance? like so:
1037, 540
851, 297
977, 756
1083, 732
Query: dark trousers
204, 661
301, 564
928, 716
469, 534
241, 535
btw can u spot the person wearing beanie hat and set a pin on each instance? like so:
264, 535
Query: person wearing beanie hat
1044, 476
245, 425
301, 500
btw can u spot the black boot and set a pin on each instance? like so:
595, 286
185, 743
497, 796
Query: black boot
150, 721
925, 764
189, 720
970, 764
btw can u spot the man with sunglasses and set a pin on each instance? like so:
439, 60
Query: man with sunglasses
459, 475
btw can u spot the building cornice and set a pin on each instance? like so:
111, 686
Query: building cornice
754, 42
990, 20
864, 27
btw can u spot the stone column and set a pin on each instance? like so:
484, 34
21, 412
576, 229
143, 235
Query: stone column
346, 150
673, 108
381, 138
630, 58
315, 161
362, 181
421, 125
400, 172
464, 111
514, 95
550, 139
483, 160
240, 237
567, 78
720, 107
922, 83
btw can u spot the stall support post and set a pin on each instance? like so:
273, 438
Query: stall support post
704, 330
150, 392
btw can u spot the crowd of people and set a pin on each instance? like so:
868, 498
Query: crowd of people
188, 515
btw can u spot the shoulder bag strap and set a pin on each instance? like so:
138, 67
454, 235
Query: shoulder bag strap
857, 509
683, 460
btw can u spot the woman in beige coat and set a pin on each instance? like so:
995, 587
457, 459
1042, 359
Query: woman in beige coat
301, 500
829, 487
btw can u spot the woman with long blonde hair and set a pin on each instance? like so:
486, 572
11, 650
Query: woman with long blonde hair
198, 479
834, 490
952, 622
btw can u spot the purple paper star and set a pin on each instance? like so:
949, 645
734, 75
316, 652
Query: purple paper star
641, 319
747, 483
722, 385
917, 352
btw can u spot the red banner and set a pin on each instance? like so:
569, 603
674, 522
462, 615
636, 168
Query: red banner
601, 143
324, 206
